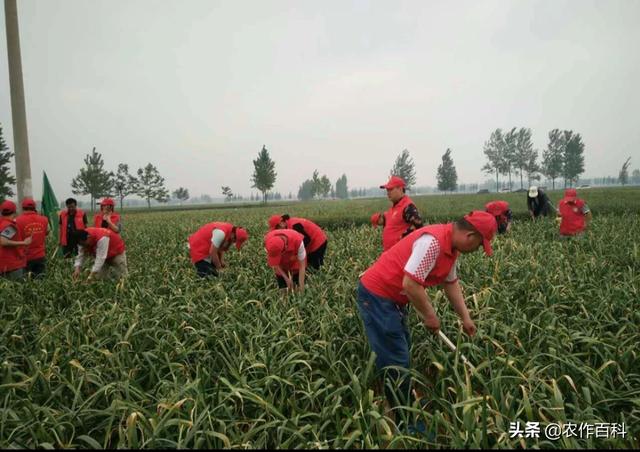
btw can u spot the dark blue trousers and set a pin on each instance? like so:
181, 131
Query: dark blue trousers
385, 324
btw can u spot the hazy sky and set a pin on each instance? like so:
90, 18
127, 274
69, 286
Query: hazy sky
197, 87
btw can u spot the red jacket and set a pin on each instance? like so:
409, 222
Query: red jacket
64, 217
97, 219
12, 257
200, 241
34, 225
384, 277
116, 244
315, 232
572, 216
394, 224
289, 260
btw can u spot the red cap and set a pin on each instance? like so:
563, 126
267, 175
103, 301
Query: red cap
107, 202
274, 220
375, 218
394, 182
275, 247
486, 225
241, 237
496, 208
8, 207
28, 203
570, 193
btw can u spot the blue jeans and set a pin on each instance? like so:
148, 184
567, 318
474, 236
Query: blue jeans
385, 323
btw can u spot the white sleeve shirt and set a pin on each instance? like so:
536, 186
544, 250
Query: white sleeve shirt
217, 238
102, 250
424, 254
302, 253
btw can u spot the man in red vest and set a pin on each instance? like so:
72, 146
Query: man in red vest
108, 249
502, 213
574, 213
209, 243
315, 240
37, 227
287, 256
107, 218
12, 244
401, 219
72, 219
426, 257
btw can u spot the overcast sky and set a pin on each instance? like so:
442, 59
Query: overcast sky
197, 87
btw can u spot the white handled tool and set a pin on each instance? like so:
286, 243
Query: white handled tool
453, 348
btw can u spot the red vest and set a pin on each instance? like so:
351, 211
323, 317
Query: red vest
394, 224
200, 241
34, 225
384, 277
12, 257
289, 259
318, 237
572, 217
97, 219
116, 244
64, 215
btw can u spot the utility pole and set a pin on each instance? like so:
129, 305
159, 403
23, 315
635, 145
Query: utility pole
18, 112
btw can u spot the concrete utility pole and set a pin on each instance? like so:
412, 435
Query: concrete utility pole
18, 113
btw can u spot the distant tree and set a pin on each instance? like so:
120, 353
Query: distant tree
447, 176
325, 186
93, 179
494, 150
227, 193
532, 168
206, 199
277, 196
306, 190
6, 179
523, 154
342, 190
290, 195
635, 177
624, 172
124, 184
181, 194
404, 168
264, 174
573, 157
553, 156
510, 143
151, 185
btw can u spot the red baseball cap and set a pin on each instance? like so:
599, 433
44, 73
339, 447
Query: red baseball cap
486, 225
107, 202
241, 237
570, 193
394, 182
8, 207
28, 203
274, 220
375, 218
496, 208
275, 247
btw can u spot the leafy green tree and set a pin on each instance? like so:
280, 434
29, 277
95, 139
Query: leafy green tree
325, 186
264, 174
181, 194
404, 168
227, 193
573, 157
553, 156
151, 185
624, 172
494, 151
510, 143
447, 176
124, 184
6, 179
93, 179
306, 190
635, 177
523, 154
342, 190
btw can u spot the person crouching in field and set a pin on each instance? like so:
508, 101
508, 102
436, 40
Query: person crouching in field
12, 244
315, 240
502, 213
106, 247
426, 257
107, 218
538, 203
209, 243
574, 213
36, 226
402, 218
287, 256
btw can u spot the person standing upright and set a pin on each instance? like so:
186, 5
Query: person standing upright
36, 226
107, 218
72, 219
402, 218
12, 244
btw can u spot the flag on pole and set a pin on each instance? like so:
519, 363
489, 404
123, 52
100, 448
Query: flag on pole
49, 204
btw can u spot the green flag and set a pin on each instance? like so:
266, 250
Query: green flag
49, 204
